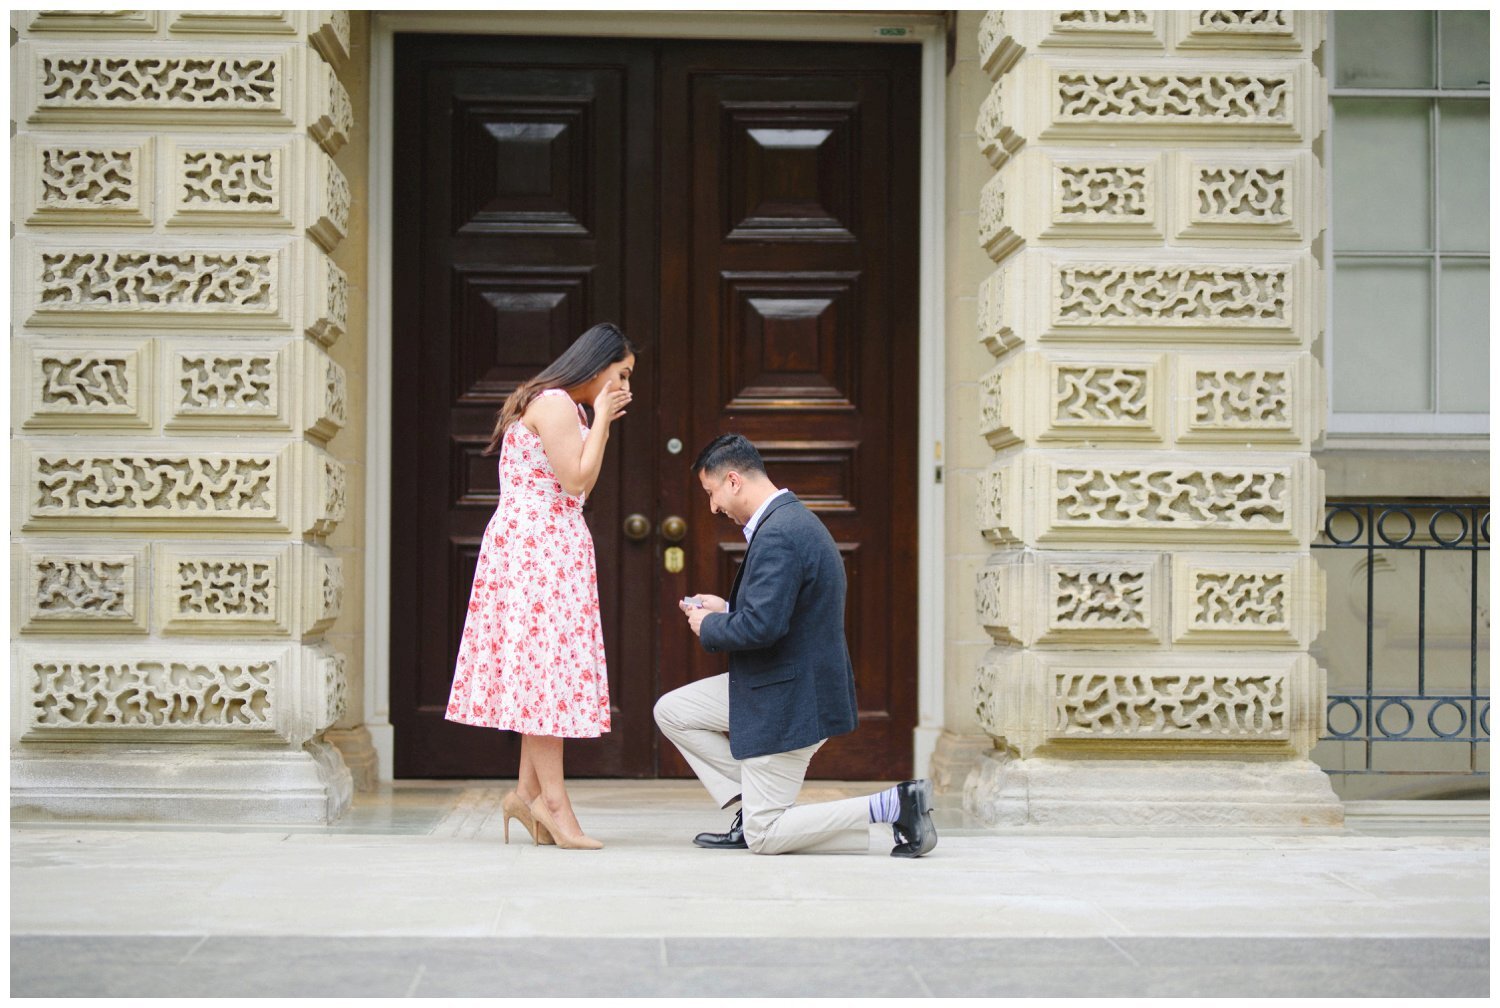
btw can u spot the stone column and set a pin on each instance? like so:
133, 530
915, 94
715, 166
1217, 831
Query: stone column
174, 301
1151, 596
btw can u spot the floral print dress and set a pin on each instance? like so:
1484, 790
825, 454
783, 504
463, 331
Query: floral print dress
531, 658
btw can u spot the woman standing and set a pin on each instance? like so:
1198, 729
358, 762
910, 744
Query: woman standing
531, 659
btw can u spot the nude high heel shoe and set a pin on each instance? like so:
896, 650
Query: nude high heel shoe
514, 808
544, 819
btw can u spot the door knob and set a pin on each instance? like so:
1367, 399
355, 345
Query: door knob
637, 527
673, 528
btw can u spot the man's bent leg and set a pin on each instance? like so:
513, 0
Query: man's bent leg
773, 825
695, 718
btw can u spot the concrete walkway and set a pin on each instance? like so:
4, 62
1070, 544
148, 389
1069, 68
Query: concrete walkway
414, 893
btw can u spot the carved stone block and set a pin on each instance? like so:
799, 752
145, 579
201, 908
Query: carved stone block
1104, 197
240, 22
71, 285
1049, 296
995, 514
998, 49
184, 694
214, 184
996, 235
1264, 30
1114, 498
322, 589
1073, 399
1230, 600
1274, 399
1231, 199
329, 202
325, 396
324, 489
997, 136
85, 180
72, 384
241, 385
85, 588
1079, 600
327, 297
157, 82
328, 31
1102, 704
329, 114
1111, 29
95, 21
209, 589
200, 486
1232, 102
994, 310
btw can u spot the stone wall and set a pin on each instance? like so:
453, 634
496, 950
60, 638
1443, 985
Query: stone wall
176, 305
1149, 411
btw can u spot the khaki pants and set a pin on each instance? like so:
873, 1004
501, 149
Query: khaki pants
696, 719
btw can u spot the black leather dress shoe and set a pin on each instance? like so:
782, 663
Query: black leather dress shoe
733, 840
915, 835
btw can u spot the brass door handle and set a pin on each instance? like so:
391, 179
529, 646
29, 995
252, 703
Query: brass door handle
673, 528
637, 527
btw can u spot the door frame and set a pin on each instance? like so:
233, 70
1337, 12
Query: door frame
927, 30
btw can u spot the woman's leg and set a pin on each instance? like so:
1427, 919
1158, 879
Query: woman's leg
527, 786
547, 764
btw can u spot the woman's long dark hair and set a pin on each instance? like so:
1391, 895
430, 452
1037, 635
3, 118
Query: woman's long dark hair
590, 353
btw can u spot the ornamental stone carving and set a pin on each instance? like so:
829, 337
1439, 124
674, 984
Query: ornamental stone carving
328, 296
1268, 30
1149, 705
71, 180
1242, 199
84, 589
81, 285
73, 385
1072, 399
142, 489
1239, 498
330, 114
114, 696
1105, 498
1197, 98
226, 592
1112, 29
1265, 399
1229, 296
1102, 194
1268, 602
228, 186
1089, 600
130, 82
329, 204
998, 139
227, 386
1103, 704
1101, 397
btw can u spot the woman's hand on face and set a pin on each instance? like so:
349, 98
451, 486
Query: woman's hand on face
611, 402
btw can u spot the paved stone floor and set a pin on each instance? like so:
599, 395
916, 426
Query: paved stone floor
413, 893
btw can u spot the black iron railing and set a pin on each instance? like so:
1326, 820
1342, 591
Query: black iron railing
1423, 701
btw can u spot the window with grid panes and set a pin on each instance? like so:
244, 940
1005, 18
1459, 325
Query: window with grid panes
1408, 169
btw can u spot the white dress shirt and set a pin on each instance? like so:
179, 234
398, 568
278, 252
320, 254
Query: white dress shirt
754, 521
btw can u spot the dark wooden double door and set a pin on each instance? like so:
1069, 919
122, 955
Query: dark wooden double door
747, 213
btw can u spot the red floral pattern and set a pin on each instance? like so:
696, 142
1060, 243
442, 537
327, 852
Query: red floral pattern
531, 659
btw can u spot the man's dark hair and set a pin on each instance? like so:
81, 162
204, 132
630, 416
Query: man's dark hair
729, 451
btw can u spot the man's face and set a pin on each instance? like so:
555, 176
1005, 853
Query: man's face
724, 494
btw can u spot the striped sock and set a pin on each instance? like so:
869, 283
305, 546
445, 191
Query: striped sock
885, 806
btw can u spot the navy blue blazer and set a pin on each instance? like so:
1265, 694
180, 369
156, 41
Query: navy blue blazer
790, 679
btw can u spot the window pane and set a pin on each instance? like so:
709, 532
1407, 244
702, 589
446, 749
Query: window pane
1383, 49
1464, 338
1382, 319
1382, 174
1464, 185
1466, 49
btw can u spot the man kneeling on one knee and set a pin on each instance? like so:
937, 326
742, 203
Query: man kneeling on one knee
749, 734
